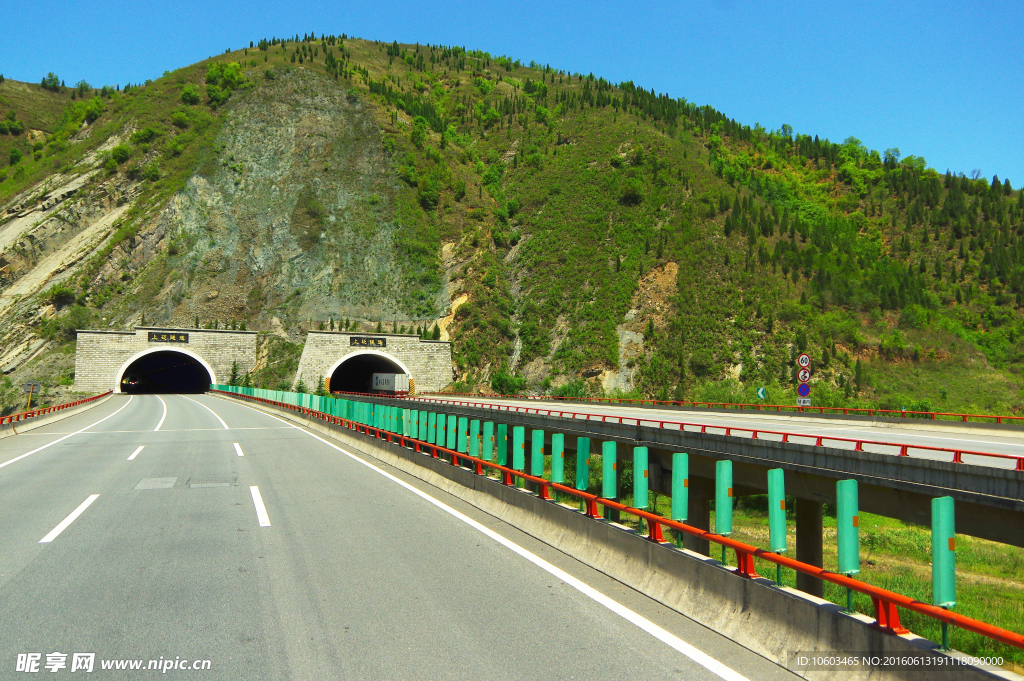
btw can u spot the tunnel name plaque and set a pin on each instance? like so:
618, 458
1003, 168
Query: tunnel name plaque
366, 342
163, 337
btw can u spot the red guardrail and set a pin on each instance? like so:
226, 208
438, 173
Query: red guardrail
14, 418
901, 449
742, 406
886, 603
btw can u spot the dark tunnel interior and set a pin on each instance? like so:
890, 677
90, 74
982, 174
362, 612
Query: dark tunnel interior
165, 372
355, 375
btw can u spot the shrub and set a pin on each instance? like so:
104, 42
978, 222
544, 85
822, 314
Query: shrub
121, 153
576, 388
702, 363
145, 136
51, 82
3, 128
60, 295
216, 95
507, 384
190, 94
15, 156
94, 110
151, 172
632, 192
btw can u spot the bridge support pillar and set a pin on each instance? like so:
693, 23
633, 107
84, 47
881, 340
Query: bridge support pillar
809, 544
699, 517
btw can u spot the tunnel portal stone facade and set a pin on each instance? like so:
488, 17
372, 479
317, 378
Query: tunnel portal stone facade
428, 362
102, 356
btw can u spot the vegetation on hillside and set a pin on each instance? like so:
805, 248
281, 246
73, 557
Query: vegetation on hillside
546, 197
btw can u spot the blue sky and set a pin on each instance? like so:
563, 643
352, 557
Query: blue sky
941, 80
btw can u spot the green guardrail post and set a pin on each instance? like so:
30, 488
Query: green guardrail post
474, 438
680, 491
558, 457
452, 431
406, 422
848, 532
488, 441
442, 429
943, 559
432, 428
641, 471
777, 516
462, 435
583, 468
414, 423
537, 453
609, 475
501, 444
519, 448
424, 425
723, 500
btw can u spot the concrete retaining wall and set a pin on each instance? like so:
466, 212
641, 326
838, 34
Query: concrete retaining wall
768, 620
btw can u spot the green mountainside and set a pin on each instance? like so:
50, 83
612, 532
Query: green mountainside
570, 235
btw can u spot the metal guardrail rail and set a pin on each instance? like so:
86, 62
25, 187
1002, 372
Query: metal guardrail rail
885, 602
743, 406
899, 449
14, 418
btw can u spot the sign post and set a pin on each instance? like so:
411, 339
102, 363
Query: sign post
32, 388
804, 376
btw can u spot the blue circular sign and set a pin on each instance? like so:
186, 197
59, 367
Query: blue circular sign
804, 390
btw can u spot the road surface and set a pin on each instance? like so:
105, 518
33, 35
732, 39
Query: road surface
192, 530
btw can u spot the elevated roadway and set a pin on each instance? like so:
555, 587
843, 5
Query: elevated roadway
187, 528
951, 435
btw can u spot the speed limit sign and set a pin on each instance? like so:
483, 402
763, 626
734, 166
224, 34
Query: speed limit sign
804, 360
804, 375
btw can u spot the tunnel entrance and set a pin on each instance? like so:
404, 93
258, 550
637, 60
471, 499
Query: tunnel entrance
165, 372
355, 375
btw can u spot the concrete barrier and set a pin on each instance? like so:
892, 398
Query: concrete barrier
16, 427
757, 614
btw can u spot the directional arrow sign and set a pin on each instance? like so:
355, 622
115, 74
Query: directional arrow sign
762, 393
804, 360
804, 375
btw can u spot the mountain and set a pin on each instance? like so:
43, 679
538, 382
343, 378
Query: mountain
570, 235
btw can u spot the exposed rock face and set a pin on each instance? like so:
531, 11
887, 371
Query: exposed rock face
300, 199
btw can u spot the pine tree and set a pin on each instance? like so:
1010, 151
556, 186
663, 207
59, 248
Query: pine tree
436, 335
380, 327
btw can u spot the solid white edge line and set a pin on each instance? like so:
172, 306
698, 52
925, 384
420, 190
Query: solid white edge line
673, 641
261, 510
238, 448
50, 444
136, 453
209, 410
162, 417
70, 519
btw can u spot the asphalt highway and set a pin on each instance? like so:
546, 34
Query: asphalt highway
191, 530
920, 434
